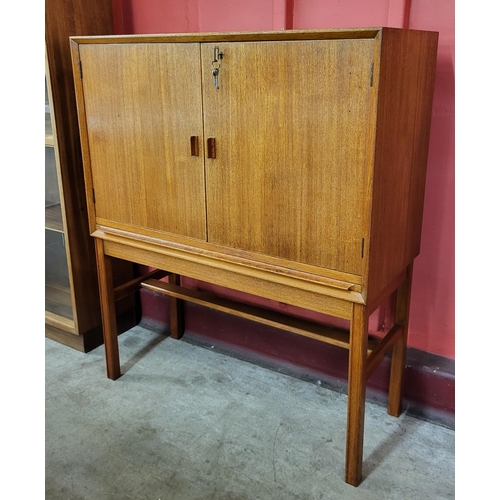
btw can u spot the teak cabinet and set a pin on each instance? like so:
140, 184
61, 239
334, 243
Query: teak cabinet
289, 165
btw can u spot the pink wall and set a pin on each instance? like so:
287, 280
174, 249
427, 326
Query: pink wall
432, 326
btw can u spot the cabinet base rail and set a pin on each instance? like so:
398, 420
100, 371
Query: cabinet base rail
327, 334
365, 352
376, 348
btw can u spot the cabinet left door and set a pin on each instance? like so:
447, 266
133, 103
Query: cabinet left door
143, 121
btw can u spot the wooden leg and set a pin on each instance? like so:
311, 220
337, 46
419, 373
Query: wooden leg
399, 350
176, 311
108, 312
356, 394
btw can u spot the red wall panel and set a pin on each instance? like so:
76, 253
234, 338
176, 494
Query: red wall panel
177, 16
312, 14
433, 308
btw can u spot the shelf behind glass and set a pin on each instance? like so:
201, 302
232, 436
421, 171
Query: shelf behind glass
48, 127
48, 124
53, 213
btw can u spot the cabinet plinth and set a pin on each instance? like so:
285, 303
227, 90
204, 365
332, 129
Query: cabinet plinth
289, 165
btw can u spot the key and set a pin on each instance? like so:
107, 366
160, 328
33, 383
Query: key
215, 72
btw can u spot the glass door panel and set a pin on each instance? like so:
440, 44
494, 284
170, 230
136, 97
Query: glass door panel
57, 288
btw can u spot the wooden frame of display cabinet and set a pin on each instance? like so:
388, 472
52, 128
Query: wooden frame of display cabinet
72, 314
61, 306
288, 165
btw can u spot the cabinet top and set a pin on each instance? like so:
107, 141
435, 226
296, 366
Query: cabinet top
319, 34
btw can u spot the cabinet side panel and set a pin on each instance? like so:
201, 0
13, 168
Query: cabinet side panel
406, 82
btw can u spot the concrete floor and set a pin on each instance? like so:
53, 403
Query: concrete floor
186, 423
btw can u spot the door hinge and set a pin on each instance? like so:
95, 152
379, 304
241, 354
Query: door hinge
80, 67
362, 248
371, 75
93, 195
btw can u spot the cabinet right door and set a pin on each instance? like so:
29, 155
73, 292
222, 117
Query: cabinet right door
291, 124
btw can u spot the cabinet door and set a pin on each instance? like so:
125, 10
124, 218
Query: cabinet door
143, 106
291, 124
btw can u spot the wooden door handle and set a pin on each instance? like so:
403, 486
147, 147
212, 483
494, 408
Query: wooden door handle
195, 146
211, 147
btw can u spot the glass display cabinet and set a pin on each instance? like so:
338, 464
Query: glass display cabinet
58, 303
72, 308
